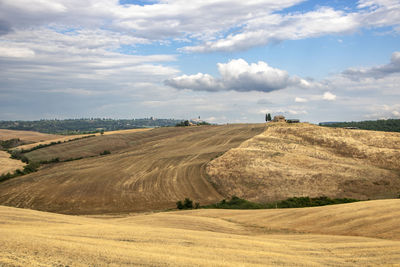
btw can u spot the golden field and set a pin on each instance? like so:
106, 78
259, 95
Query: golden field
148, 170
32, 139
8, 165
27, 136
65, 138
288, 160
320, 236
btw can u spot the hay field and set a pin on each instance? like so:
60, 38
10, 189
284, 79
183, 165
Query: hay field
193, 238
27, 136
112, 141
307, 160
148, 170
62, 138
8, 165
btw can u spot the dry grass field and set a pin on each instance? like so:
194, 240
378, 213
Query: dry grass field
290, 160
145, 171
27, 136
8, 165
321, 236
63, 138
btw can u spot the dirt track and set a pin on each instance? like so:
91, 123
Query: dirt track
146, 171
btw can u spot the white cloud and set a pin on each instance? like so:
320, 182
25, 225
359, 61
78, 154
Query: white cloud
375, 72
300, 100
329, 96
384, 112
273, 27
232, 25
241, 76
16, 52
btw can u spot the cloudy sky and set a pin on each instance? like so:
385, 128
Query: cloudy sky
223, 60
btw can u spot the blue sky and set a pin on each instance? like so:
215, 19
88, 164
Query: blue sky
223, 60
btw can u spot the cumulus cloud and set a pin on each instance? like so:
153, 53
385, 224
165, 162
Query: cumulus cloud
375, 72
300, 100
328, 96
238, 75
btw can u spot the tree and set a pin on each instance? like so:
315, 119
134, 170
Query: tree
268, 117
188, 203
179, 205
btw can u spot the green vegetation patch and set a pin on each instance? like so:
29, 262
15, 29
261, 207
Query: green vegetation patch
390, 125
10, 143
31, 167
293, 202
85, 125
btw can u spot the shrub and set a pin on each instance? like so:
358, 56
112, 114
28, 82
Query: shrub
105, 152
179, 205
188, 203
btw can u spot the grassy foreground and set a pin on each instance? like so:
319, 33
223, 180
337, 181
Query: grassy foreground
356, 234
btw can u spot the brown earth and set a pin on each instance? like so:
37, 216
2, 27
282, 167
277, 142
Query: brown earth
289, 160
145, 171
320, 236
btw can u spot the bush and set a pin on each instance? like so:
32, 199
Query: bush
187, 204
179, 205
105, 152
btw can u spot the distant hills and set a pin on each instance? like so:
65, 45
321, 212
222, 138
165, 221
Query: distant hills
390, 125
85, 125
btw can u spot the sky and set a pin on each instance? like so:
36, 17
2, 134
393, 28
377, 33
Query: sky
227, 61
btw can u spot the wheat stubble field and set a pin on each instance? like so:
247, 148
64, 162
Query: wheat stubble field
303, 159
206, 237
147, 171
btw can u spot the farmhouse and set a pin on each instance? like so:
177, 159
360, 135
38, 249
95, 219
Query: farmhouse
279, 118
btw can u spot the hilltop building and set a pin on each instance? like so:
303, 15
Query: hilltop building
279, 118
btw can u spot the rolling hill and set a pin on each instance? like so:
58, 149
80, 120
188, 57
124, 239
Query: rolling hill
151, 170
145, 171
320, 236
289, 160
27, 136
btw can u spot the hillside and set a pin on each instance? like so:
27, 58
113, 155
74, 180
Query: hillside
145, 171
306, 160
65, 138
27, 136
8, 165
301, 237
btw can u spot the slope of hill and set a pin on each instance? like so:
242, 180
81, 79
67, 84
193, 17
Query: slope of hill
27, 136
145, 171
290, 160
205, 237
8, 165
44, 154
